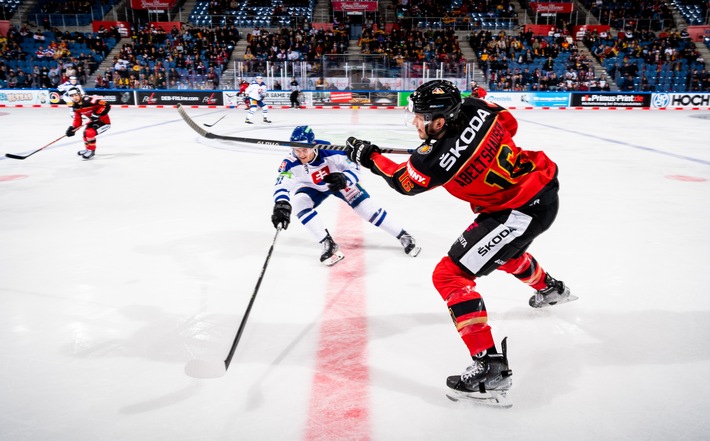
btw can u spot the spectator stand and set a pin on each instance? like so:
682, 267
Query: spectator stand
190, 58
458, 15
530, 62
48, 58
253, 13
649, 62
69, 13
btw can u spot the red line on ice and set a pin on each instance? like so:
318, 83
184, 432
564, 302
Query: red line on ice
340, 399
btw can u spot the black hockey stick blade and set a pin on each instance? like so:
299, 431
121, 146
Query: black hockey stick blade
206, 369
21, 157
11, 156
214, 123
270, 142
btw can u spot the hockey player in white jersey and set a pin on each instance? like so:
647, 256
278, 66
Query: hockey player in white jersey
308, 176
256, 92
71, 83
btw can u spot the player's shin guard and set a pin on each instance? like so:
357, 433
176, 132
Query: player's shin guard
466, 306
90, 138
526, 269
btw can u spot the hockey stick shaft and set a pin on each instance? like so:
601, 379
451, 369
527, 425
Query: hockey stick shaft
269, 142
228, 360
22, 157
214, 123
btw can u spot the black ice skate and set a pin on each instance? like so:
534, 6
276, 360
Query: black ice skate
267, 120
86, 154
555, 292
331, 251
248, 121
486, 381
409, 244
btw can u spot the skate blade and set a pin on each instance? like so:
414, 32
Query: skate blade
569, 298
335, 258
497, 399
415, 251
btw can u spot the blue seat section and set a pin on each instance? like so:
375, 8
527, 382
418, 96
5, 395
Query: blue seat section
253, 13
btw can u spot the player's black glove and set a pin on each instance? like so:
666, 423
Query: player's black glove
359, 151
282, 214
70, 131
336, 182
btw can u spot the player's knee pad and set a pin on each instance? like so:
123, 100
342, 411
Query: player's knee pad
448, 277
90, 134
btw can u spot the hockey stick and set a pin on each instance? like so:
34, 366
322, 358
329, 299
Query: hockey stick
204, 133
217, 368
215, 123
23, 157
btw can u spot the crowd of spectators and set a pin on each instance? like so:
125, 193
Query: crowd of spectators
478, 13
653, 15
36, 59
646, 61
439, 49
190, 58
305, 44
527, 62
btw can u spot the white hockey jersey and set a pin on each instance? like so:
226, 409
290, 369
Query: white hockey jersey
257, 91
294, 176
64, 88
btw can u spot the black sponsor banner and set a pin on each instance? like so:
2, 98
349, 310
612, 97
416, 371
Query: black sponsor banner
592, 99
174, 97
117, 97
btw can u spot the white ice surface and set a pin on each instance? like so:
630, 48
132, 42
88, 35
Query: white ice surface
116, 272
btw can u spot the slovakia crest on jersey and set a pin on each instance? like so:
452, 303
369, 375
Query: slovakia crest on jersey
318, 175
282, 167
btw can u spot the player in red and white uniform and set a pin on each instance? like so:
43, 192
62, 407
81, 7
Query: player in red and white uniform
93, 109
243, 84
308, 176
477, 91
469, 150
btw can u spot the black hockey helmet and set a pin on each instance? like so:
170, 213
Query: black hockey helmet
436, 99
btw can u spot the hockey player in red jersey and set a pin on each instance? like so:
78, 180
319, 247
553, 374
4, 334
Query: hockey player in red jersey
243, 84
468, 150
477, 91
93, 109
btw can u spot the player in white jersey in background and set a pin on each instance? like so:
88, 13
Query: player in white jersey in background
71, 83
256, 92
308, 176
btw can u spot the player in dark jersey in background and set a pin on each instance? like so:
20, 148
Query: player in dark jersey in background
469, 150
94, 109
